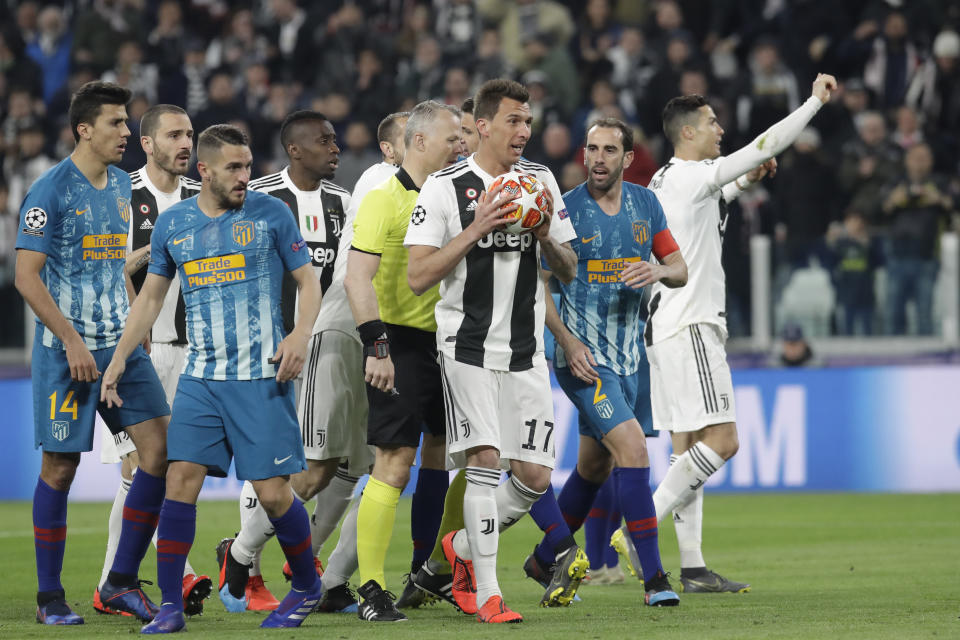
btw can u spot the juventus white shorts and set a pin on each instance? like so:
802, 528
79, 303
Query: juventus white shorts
690, 383
332, 402
168, 361
511, 411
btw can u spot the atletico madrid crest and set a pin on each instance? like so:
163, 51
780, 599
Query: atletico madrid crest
243, 232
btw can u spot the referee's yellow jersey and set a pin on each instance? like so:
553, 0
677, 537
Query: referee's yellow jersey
379, 229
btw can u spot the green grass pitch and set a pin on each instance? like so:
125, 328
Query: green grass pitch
821, 565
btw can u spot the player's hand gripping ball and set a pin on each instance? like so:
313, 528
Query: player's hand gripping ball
527, 194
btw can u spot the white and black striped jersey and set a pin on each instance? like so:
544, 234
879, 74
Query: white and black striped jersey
148, 202
320, 214
335, 310
491, 306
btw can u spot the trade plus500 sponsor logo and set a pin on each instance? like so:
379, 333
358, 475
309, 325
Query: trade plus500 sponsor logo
108, 246
607, 271
210, 271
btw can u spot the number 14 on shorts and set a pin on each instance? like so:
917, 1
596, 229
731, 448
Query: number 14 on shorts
68, 406
545, 430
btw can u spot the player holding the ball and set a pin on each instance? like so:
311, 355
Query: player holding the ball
490, 318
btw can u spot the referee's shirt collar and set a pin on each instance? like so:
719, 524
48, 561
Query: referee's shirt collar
406, 181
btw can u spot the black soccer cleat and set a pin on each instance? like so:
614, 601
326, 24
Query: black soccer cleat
377, 605
338, 599
659, 593
437, 585
412, 597
704, 580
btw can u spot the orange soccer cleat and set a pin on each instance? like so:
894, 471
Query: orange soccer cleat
259, 597
494, 611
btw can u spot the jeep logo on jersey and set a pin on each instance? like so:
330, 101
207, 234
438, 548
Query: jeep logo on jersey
123, 206
641, 231
500, 241
321, 254
243, 233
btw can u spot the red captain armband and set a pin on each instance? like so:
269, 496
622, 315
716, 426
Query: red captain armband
664, 244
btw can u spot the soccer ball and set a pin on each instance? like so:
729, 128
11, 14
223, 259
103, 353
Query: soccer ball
529, 197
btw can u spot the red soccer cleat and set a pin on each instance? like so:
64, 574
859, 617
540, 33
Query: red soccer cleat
196, 589
259, 597
464, 587
288, 574
494, 611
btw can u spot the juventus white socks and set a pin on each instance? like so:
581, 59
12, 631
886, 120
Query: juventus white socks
688, 523
332, 502
514, 500
113, 527
684, 478
343, 562
483, 531
255, 530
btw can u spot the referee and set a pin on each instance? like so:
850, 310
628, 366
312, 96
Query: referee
398, 331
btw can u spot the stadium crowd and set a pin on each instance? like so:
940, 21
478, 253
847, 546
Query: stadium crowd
866, 192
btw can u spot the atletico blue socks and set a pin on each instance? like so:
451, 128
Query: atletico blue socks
597, 523
614, 517
140, 512
575, 500
426, 511
293, 534
557, 537
175, 532
49, 534
636, 503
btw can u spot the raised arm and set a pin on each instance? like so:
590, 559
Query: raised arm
778, 137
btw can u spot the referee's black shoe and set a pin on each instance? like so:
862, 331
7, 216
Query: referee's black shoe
377, 605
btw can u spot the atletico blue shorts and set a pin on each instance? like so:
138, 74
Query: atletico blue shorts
603, 404
254, 422
64, 411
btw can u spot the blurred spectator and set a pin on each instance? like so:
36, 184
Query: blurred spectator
336, 106
868, 163
456, 86
887, 60
907, 132
836, 119
27, 163
222, 105
422, 78
17, 69
334, 45
134, 157
854, 257
596, 35
794, 350
416, 24
240, 45
256, 89
51, 50
288, 34
12, 318
98, 28
195, 74
935, 92
602, 97
804, 195
132, 72
556, 148
766, 92
543, 106
357, 156
373, 88
168, 39
27, 18
632, 69
572, 174
666, 26
458, 27
20, 113
919, 206
542, 54
520, 21
489, 62
664, 84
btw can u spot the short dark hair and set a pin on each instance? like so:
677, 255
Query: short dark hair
626, 131
389, 129
492, 92
467, 106
151, 117
86, 103
677, 114
218, 135
302, 115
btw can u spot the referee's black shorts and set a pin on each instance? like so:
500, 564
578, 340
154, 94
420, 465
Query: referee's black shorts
398, 420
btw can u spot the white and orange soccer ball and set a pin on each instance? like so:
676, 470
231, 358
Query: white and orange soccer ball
529, 197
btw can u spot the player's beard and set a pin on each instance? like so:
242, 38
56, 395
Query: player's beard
612, 177
167, 162
225, 197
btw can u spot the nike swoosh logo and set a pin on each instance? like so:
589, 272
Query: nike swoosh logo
590, 239
80, 212
183, 239
276, 461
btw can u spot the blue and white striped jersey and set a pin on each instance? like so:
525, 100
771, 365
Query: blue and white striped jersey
83, 232
231, 269
596, 307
